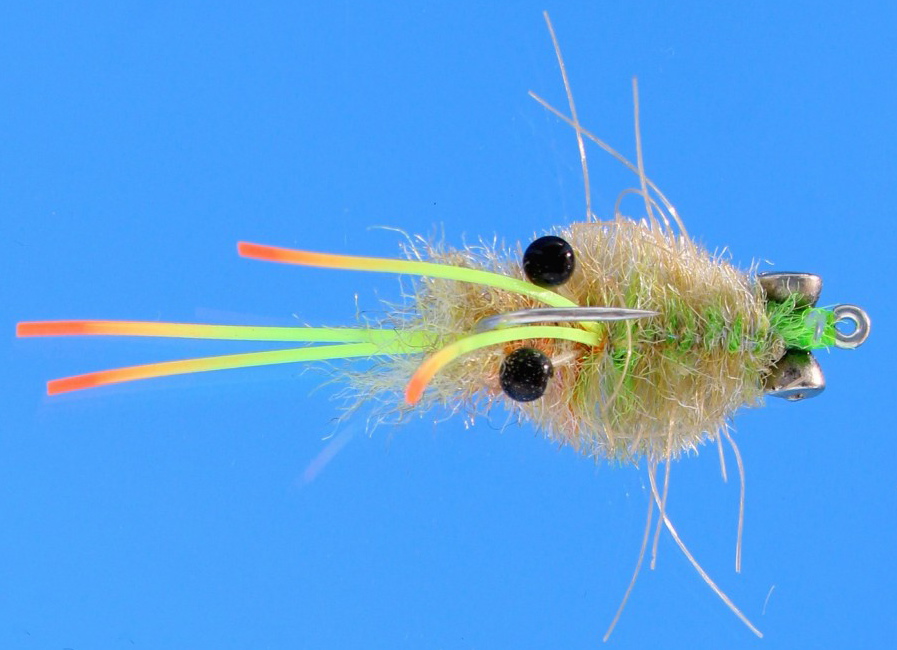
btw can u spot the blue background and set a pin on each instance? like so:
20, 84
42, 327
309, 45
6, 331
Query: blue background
139, 142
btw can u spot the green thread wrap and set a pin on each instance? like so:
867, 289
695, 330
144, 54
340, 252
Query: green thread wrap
805, 328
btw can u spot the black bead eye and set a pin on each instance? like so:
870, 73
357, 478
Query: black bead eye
524, 374
549, 261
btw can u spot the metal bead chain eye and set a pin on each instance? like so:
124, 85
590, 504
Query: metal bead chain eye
795, 376
782, 285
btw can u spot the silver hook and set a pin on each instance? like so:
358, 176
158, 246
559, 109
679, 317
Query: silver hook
561, 315
862, 326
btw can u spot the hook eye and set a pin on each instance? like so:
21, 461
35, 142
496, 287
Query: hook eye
795, 376
781, 286
861, 326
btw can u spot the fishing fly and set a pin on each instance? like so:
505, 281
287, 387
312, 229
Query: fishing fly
622, 338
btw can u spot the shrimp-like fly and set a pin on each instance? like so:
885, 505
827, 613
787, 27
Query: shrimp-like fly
624, 339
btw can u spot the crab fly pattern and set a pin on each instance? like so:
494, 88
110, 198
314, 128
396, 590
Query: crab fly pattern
624, 339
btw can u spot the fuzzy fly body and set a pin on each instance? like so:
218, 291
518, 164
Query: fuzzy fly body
624, 339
